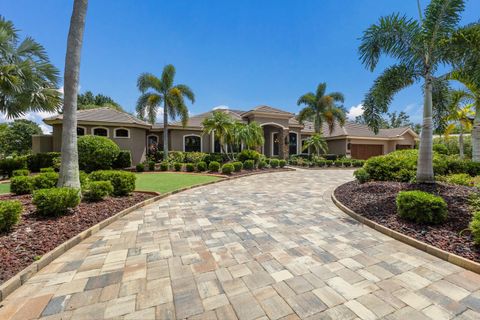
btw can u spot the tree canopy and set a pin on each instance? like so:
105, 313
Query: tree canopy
16, 137
88, 100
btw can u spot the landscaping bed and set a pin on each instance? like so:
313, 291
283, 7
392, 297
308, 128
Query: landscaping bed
35, 235
376, 201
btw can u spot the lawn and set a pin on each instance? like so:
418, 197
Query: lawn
169, 181
4, 188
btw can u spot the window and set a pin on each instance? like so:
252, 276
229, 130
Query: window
103, 132
122, 133
152, 140
275, 144
80, 131
192, 144
292, 143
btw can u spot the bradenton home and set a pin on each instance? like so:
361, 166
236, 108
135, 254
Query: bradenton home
284, 135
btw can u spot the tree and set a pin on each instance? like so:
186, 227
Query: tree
88, 100
321, 108
317, 142
460, 114
419, 47
251, 135
28, 81
16, 137
69, 169
163, 91
391, 120
220, 124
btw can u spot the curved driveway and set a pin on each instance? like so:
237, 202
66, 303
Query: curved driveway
270, 246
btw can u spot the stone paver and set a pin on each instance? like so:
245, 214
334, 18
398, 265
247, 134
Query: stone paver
272, 246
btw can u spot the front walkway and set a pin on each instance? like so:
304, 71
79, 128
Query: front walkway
262, 247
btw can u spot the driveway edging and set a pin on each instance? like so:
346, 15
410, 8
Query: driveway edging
439, 253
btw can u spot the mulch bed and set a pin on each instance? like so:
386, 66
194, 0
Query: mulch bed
376, 201
34, 235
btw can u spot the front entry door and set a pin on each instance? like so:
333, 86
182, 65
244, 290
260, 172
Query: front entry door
275, 144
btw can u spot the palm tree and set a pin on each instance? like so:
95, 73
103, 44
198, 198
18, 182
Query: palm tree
163, 91
220, 124
419, 47
69, 171
317, 142
321, 107
28, 81
461, 115
251, 135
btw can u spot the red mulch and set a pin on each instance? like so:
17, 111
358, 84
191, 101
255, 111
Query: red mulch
35, 235
376, 201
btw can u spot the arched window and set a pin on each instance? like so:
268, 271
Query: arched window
121, 133
192, 143
81, 131
103, 132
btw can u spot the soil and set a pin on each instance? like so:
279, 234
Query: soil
376, 201
34, 235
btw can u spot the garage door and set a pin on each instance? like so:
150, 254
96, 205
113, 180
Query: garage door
365, 151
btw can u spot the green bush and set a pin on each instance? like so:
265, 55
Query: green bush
361, 175
151, 165
97, 190
249, 155
440, 148
20, 172
45, 170
421, 207
473, 168
262, 164
238, 166
140, 167
164, 166
176, 156
293, 162
329, 163
194, 157
10, 212
219, 157
475, 227
214, 166
452, 145
338, 163
274, 163
282, 163
83, 178
96, 153
55, 201
123, 160
347, 163
45, 180
321, 163
177, 166
358, 163
42, 160
249, 164
8, 165
202, 166
462, 179
190, 167
21, 185
227, 168
123, 182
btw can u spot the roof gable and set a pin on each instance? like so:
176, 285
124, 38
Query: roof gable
103, 115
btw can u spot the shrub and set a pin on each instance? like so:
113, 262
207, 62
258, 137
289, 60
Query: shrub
440, 148
176, 156
123, 160
55, 201
190, 167
293, 162
10, 212
45, 170
140, 167
20, 172
321, 163
274, 163
347, 163
42, 160
219, 157
96, 153
475, 227
358, 163
249, 165
202, 166
249, 155
421, 207
238, 166
45, 180
123, 182
97, 190
462, 179
452, 145
331, 157
473, 168
282, 163
21, 185
177, 166
164, 166
214, 166
262, 164
338, 163
8, 165
329, 163
194, 157
361, 175
227, 168
83, 178
151, 165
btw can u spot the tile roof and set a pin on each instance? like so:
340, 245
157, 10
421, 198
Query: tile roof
268, 109
196, 120
355, 129
103, 114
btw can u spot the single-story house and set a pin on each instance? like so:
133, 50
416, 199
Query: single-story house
284, 135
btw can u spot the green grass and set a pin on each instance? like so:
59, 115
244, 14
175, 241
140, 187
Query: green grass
4, 188
164, 182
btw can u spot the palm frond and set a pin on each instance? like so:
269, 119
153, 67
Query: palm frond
148, 81
307, 99
167, 77
337, 96
321, 88
186, 92
306, 114
441, 19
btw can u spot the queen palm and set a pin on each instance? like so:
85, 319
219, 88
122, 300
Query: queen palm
220, 124
419, 47
322, 108
460, 115
317, 142
251, 135
157, 92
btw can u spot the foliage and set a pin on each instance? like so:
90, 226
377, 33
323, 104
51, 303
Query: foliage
274, 163
45, 180
227, 168
474, 227
177, 166
123, 160
8, 165
10, 212
202, 166
282, 163
190, 167
16, 138
194, 157
41, 160
249, 164
96, 153
140, 167
164, 165
440, 148
151, 165
123, 182
214, 166
421, 207
55, 201
462, 179
45, 170
20, 172
248, 155
452, 145
391, 120
317, 142
262, 164
361, 175
176, 156
97, 190
88, 100
238, 166
220, 124
21, 185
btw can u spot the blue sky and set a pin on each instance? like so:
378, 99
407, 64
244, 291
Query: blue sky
234, 53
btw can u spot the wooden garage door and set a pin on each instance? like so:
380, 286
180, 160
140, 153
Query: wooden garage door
365, 151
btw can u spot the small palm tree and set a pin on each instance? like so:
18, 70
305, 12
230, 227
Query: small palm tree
221, 125
251, 134
163, 91
317, 142
460, 115
419, 47
322, 108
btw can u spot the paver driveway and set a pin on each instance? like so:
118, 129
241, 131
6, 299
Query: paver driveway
268, 246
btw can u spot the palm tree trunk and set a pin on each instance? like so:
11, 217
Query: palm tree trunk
476, 134
69, 169
165, 130
460, 142
425, 153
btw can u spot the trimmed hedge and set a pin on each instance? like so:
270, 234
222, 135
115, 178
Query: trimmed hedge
140, 167
123, 182
361, 175
228, 168
21, 185
97, 190
44, 170
249, 164
421, 207
274, 163
10, 212
8, 165
237, 166
45, 180
20, 172
201, 166
123, 160
282, 163
190, 167
96, 153
164, 166
214, 166
55, 201
248, 155
463, 179
177, 166
262, 164
151, 165
42, 160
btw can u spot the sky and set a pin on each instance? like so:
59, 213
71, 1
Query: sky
238, 54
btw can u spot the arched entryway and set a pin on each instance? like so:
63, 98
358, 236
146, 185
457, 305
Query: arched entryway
274, 135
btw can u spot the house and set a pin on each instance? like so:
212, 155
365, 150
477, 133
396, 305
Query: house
284, 135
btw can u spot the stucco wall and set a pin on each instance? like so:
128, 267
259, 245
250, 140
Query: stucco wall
42, 143
338, 147
261, 120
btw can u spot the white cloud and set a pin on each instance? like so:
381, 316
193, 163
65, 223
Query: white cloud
224, 107
36, 117
355, 111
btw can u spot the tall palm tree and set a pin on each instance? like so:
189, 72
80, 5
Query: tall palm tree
317, 142
28, 81
460, 115
221, 125
419, 47
163, 91
322, 108
69, 170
